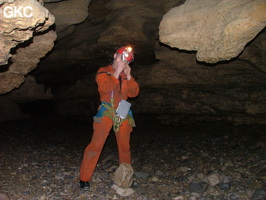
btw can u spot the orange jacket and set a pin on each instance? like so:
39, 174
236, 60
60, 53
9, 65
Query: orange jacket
121, 90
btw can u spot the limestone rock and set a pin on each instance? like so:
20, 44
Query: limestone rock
6, 1
4, 196
197, 187
51, 1
180, 197
117, 4
68, 12
217, 30
177, 67
124, 175
213, 179
9, 81
256, 52
15, 28
24, 60
124, 192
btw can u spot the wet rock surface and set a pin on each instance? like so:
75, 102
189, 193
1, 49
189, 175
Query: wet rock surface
40, 159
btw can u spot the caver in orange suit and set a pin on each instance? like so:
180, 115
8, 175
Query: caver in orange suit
120, 88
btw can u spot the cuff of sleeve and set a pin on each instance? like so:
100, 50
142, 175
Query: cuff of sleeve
131, 80
115, 80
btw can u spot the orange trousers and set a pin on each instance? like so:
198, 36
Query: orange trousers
94, 149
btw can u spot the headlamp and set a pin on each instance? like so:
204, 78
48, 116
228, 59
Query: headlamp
126, 53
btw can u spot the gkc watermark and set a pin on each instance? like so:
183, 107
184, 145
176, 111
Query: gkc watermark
21, 11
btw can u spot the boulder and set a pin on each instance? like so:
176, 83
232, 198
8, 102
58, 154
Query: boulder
124, 175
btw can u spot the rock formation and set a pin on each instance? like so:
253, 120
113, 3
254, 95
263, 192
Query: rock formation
16, 28
68, 13
24, 39
25, 60
217, 30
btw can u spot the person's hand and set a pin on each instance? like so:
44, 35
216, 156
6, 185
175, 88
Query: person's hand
120, 66
127, 71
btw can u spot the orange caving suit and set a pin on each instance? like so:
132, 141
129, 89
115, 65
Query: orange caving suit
122, 89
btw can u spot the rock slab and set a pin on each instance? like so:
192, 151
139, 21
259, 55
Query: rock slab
124, 175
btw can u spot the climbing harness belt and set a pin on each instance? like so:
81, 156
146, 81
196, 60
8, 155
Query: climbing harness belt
109, 111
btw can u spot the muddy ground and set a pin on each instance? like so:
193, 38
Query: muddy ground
40, 159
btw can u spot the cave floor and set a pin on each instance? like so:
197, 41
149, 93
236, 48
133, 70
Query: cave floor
40, 159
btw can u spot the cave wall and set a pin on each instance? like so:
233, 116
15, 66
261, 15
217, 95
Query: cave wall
176, 86
180, 90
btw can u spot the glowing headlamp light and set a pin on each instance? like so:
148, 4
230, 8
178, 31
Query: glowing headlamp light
126, 53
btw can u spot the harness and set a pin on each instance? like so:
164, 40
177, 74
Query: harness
107, 109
